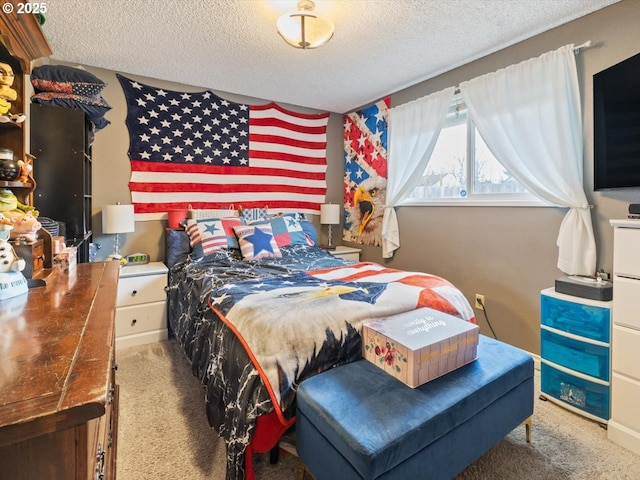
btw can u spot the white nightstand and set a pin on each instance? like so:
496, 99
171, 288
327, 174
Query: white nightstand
348, 253
141, 308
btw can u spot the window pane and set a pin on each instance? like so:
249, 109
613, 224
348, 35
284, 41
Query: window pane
446, 172
490, 176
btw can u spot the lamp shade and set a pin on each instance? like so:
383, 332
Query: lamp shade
304, 28
330, 214
117, 219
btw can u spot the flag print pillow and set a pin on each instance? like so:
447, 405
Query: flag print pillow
211, 235
287, 230
257, 241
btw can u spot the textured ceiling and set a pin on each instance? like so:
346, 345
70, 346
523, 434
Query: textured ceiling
379, 46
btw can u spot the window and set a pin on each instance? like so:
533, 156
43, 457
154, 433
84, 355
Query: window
462, 169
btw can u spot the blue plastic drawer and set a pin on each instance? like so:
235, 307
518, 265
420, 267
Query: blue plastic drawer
582, 394
583, 357
573, 317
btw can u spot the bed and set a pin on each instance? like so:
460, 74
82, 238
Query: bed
253, 328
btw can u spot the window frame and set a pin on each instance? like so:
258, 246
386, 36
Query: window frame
475, 199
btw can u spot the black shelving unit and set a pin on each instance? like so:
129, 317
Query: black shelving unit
60, 140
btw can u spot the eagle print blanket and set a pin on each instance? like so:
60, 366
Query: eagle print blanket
236, 391
302, 323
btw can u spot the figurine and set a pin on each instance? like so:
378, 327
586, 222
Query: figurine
25, 226
8, 95
12, 281
25, 170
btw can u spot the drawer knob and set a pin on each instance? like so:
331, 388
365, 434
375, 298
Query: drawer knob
134, 293
133, 322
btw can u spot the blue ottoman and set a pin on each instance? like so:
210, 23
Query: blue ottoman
358, 422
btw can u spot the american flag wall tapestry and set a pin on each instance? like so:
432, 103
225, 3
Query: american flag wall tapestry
200, 150
365, 173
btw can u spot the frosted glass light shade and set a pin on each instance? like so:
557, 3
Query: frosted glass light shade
305, 29
117, 219
330, 214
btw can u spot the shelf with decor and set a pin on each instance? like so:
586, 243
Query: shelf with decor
21, 41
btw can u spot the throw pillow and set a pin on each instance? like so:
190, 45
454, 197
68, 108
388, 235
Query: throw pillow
286, 230
257, 241
209, 236
63, 73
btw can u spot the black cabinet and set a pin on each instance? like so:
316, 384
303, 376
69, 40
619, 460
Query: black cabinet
61, 141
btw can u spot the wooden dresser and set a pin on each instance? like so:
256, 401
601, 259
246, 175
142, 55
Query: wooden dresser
58, 395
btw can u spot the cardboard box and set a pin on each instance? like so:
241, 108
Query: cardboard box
67, 259
418, 346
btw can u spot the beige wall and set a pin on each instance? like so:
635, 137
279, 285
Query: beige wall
506, 254
510, 254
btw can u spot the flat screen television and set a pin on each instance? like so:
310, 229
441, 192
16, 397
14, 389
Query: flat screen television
616, 112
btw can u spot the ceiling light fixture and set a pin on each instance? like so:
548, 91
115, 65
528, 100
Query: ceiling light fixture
305, 29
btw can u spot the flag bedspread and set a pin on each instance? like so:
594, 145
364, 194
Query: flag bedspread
197, 149
302, 323
229, 315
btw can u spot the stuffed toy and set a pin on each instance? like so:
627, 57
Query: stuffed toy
10, 205
12, 281
25, 170
25, 226
8, 95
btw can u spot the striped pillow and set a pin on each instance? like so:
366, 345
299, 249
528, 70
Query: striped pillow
210, 235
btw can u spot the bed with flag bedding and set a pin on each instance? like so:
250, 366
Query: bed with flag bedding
253, 330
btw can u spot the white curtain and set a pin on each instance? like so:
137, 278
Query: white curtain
413, 131
529, 115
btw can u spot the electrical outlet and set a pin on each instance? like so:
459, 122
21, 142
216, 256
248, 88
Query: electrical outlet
479, 301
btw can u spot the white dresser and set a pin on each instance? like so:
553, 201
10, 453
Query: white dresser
141, 309
348, 253
624, 426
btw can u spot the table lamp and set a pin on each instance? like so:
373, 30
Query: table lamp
330, 215
117, 219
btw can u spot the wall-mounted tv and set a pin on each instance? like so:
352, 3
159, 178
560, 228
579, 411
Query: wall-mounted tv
616, 112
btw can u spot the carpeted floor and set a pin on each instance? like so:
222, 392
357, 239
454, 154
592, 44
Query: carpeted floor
164, 435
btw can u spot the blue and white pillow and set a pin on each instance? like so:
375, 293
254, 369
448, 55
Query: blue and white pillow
257, 241
287, 230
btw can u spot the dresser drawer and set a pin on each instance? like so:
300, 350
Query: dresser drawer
626, 348
625, 302
143, 289
141, 318
626, 254
590, 397
581, 356
576, 318
624, 406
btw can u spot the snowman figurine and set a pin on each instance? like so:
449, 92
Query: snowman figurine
12, 281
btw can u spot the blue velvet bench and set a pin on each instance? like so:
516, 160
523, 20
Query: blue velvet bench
358, 422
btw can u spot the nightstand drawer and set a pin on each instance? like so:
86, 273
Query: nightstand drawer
347, 253
143, 318
143, 289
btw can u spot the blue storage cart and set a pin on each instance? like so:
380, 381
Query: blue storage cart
575, 353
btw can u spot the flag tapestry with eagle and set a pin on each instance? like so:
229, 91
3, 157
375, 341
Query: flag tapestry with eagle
195, 149
365, 173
